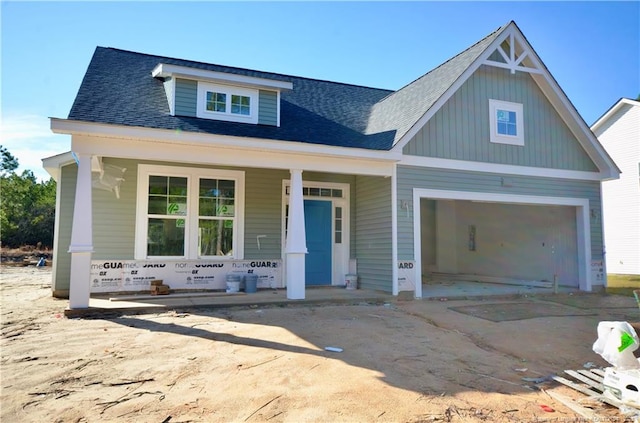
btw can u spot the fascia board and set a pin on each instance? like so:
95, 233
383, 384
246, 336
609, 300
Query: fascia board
570, 115
504, 169
70, 127
576, 125
53, 164
164, 70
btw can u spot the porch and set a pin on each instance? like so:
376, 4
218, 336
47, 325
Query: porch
442, 290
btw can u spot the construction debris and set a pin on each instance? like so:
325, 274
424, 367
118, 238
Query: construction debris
158, 288
618, 386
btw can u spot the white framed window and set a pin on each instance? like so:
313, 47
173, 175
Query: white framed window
226, 102
189, 213
506, 122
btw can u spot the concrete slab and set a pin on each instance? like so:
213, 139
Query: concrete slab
454, 289
159, 303
449, 290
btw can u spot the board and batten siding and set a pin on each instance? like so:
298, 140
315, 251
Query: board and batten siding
460, 129
620, 136
410, 177
268, 108
373, 232
186, 97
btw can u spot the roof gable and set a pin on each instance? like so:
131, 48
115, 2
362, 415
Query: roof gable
461, 128
400, 111
505, 48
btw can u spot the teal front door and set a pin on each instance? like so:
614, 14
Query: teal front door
317, 222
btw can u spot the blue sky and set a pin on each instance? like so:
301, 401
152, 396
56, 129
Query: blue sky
591, 48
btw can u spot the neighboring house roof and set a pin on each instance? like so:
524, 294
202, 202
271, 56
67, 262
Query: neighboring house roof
612, 110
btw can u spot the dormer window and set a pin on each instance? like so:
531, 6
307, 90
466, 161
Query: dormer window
226, 102
209, 94
240, 105
216, 102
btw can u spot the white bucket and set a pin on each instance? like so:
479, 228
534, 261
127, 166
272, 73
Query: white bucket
351, 281
233, 286
233, 282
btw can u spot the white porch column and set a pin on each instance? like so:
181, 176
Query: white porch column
81, 237
296, 246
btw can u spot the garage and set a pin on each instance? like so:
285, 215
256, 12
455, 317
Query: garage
501, 238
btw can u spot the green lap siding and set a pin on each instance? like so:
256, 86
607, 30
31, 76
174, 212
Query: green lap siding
268, 108
410, 177
62, 270
186, 97
460, 129
373, 232
263, 213
114, 219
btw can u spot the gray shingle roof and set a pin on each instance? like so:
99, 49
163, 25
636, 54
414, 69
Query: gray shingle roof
400, 111
118, 89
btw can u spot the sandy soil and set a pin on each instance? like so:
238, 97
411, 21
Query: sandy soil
412, 361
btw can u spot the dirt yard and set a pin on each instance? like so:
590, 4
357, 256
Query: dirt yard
408, 361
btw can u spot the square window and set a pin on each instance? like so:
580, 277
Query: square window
216, 102
240, 105
506, 122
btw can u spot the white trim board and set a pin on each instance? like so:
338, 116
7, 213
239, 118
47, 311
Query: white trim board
582, 224
217, 155
168, 136
164, 70
541, 172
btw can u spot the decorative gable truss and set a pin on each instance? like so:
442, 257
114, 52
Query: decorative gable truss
221, 96
513, 53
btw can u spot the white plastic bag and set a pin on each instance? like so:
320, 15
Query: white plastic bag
616, 343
